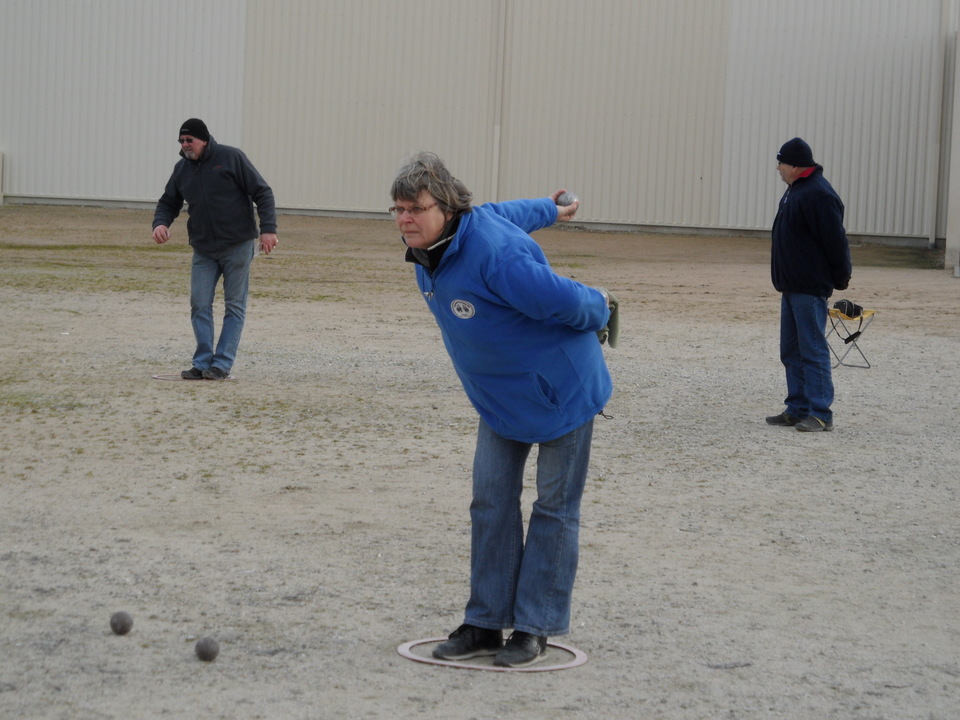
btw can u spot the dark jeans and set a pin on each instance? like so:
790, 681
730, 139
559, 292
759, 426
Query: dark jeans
806, 356
233, 264
526, 586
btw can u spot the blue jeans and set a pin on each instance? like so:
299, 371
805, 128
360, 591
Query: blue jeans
806, 356
526, 586
233, 264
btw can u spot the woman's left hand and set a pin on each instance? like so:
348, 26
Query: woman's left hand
565, 213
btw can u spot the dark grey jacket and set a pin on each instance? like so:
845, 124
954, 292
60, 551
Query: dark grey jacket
220, 190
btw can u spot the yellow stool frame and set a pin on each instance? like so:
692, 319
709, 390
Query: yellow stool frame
838, 322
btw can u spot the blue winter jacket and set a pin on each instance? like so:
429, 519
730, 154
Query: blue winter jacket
810, 253
522, 338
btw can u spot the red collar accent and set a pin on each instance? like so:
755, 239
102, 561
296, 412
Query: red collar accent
807, 173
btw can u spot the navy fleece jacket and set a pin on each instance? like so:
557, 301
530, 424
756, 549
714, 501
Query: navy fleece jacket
810, 253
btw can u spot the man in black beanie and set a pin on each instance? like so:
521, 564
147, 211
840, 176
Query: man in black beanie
220, 186
810, 258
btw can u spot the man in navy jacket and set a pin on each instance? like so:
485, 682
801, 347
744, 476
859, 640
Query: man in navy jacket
220, 186
810, 258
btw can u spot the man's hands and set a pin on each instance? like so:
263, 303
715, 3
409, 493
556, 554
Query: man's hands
161, 233
268, 241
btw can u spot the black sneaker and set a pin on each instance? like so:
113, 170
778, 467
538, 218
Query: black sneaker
521, 649
469, 641
814, 424
783, 419
215, 373
192, 374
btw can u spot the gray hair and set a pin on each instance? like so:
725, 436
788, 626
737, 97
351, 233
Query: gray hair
426, 171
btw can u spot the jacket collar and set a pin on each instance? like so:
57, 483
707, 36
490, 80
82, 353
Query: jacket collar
430, 257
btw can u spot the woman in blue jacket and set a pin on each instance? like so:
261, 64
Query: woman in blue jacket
523, 341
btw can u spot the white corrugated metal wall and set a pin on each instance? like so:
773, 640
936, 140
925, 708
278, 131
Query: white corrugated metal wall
92, 91
857, 80
622, 102
338, 93
663, 112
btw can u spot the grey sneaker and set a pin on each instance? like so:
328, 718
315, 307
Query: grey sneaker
782, 419
521, 649
814, 424
469, 641
192, 374
215, 373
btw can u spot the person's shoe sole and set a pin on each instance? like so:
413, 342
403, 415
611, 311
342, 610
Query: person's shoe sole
813, 424
482, 652
522, 664
783, 420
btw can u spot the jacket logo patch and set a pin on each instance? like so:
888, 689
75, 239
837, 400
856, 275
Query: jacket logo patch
462, 309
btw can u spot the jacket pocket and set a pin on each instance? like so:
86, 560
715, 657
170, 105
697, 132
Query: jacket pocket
549, 393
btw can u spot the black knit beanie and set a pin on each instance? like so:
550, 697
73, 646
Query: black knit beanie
797, 153
195, 127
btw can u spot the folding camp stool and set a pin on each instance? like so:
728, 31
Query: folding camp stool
843, 327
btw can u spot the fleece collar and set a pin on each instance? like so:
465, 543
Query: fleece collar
430, 257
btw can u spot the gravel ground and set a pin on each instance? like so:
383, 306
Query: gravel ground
312, 514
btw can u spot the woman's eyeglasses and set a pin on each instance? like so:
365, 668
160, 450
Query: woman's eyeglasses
415, 211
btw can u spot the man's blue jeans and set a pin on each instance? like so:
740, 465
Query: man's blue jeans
806, 356
233, 264
526, 586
